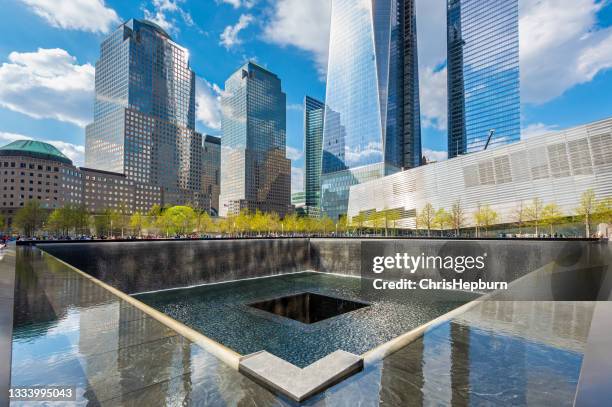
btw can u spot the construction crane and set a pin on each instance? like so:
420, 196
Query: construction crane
491, 133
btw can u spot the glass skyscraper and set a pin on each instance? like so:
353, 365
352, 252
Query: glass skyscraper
255, 173
211, 173
372, 125
314, 112
483, 74
144, 112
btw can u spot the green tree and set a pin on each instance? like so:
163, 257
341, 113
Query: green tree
484, 217
137, 223
586, 209
603, 211
54, 222
519, 215
179, 220
551, 216
342, 225
102, 223
290, 223
203, 223
30, 218
533, 213
357, 222
259, 222
225, 225
79, 219
457, 216
115, 221
378, 221
273, 221
425, 218
442, 219
242, 222
164, 224
326, 225
393, 216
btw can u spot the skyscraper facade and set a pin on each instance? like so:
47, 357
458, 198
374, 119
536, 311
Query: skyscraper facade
211, 174
255, 173
483, 74
144, 112
372, 125
314, 112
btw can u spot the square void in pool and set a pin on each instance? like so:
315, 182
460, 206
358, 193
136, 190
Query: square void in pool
308, 307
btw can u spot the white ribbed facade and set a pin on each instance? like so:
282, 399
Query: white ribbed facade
556, 167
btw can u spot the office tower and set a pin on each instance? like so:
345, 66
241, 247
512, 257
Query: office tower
144, 112
211, 174
314, 112
372, 125
483, 75
255, 173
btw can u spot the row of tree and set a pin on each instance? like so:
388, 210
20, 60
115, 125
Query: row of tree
535, 214
184, 220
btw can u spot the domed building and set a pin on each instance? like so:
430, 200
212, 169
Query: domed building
35, 170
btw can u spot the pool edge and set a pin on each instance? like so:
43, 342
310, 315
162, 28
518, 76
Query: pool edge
381, 351
221, 352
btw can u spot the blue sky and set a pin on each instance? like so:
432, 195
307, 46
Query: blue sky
48, 50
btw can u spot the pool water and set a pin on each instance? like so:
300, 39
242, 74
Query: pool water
225, 313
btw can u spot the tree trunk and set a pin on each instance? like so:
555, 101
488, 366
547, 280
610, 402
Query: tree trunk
587, 226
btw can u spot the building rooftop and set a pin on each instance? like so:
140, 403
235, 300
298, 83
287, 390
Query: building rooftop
151, 24
156, 27
36, 149
212, 139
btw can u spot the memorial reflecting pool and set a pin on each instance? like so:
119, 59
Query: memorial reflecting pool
68, 330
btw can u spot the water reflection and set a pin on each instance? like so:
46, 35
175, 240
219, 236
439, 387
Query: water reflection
67, 330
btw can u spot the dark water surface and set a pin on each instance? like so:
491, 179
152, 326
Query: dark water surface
68, 330
223, 313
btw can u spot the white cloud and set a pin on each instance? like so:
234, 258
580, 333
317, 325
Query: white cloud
302, 24
298, 107
434, 155
229, 37
233, 3
552, 60
560, 46
357, 155
238, 3
297, 180
48, 83
162, 14
537, 129
73, 151
293, 153
85, 15
208, 103
433, 98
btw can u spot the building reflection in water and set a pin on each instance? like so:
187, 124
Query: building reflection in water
518, 353
499, 352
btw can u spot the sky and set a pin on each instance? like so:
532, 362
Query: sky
48, 51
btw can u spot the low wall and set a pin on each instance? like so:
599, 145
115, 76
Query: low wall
506, 260
147, 266
154, 265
